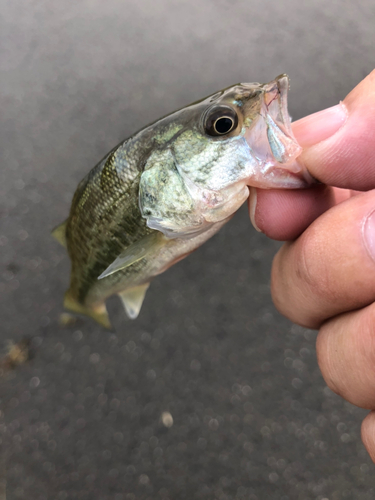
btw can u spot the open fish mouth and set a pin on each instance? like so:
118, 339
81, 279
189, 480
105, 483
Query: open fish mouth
271, 140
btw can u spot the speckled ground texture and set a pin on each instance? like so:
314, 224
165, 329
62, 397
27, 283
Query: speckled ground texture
252, 416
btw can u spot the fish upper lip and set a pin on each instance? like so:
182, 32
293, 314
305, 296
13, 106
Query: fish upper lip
270, 138
276, 91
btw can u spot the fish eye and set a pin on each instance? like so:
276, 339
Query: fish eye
220, 120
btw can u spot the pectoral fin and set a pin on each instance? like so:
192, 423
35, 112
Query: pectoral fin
135, 252
98, 313
133, 299
59, 233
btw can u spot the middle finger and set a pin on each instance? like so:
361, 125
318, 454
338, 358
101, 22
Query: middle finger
330, 268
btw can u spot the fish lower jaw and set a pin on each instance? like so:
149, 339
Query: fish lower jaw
273, 151
267, 171
233, 200
275, 177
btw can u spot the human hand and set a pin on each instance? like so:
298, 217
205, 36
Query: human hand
325, 278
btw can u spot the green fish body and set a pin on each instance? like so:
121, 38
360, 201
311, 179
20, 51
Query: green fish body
163, 192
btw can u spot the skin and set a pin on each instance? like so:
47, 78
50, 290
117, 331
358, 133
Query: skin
323, 277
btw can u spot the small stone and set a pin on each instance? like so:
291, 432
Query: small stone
167, 419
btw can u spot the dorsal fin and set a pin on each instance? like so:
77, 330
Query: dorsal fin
132, 299
59, 233
135, 252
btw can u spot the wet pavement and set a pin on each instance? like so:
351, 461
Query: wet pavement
210, 393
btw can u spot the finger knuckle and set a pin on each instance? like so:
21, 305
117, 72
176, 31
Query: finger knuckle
313, 269
346, 355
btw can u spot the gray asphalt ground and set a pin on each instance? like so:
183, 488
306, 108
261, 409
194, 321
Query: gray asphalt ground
252, 416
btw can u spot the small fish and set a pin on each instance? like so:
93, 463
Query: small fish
167, 189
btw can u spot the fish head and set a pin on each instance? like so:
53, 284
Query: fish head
235, 138
250, 122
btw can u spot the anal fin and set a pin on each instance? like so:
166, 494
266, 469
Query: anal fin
59, 233
132, 299
98, 313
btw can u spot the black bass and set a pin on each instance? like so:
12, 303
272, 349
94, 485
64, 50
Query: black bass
167, 189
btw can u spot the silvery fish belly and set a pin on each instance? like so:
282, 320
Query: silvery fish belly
163, 192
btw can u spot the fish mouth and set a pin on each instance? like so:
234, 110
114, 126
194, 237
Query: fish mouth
272, 143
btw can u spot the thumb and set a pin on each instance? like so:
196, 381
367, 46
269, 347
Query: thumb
339, 141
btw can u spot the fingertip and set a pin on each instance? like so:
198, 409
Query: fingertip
252, 207
284, 214
338, 141
315, 128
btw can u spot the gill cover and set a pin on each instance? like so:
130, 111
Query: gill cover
164, 199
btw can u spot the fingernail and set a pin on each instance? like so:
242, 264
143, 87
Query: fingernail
253, 206
320, 126
369, 234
